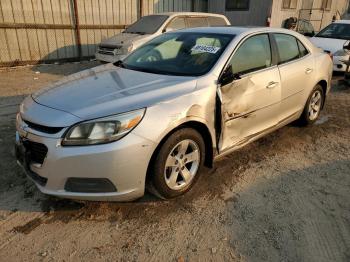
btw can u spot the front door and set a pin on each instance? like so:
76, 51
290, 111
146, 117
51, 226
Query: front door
250, 104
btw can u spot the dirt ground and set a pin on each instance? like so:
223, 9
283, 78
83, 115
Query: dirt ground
285, 197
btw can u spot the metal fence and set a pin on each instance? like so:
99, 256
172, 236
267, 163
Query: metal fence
34, 31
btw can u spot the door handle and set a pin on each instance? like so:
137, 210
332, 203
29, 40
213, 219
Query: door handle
271, 84
308, 70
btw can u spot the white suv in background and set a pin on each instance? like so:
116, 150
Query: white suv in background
119, 46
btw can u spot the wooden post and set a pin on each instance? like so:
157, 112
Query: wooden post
140, 9
76, 27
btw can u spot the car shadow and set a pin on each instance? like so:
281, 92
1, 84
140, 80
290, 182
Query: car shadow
52, 64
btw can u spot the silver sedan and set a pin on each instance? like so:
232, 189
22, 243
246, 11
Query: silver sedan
107, 132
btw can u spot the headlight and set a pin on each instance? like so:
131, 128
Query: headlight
130, 48
340, 52
102, 130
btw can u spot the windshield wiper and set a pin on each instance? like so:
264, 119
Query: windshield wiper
120, 63
138, 33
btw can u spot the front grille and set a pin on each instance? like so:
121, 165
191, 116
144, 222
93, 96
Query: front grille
109, 49
43, 129
36, 151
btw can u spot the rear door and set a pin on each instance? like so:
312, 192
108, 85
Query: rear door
296, 66
250, 104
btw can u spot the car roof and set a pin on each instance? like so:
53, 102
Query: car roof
243, 31
342, 22
172, 14
235, 30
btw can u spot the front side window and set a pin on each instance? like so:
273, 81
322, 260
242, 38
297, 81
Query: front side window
197, 21
237, 5
287, 47
176, 24
336, 30
289, 4
254, 54
147, 24
179, 53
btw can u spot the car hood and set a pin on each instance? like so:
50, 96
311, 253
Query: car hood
328, 44
107, 90
124, 39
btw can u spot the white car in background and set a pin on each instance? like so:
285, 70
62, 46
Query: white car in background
332, 38
119, 46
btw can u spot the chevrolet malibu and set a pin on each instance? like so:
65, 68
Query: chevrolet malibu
107, 132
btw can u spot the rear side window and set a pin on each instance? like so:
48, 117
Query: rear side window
197, 21
302, 50
254, 54
216, 21
177, 23
287, 48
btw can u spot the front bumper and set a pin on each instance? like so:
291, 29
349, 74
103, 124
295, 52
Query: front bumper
338, 63
124, 163
109, 58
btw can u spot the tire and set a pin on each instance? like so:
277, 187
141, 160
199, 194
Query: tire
176, 168
312, 107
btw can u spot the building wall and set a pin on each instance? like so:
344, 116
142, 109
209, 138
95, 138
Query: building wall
322, 19
256, 15
34, 30
261, 9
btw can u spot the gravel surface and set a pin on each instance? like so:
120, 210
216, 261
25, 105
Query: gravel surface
285, 197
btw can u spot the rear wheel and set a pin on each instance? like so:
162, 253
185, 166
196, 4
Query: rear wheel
178, 163
313, 106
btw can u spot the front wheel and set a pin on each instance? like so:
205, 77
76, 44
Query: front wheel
313, 106
178, 163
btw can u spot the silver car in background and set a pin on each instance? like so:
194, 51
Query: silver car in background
106, 132
148, 27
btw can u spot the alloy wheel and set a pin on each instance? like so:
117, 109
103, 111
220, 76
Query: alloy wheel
182, 164
315, 105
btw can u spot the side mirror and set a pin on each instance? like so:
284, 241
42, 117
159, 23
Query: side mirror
228, 76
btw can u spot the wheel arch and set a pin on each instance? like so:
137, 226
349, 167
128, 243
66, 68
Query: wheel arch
202, 129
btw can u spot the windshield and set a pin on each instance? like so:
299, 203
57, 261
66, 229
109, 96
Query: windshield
147, 24
338, 31
185, 54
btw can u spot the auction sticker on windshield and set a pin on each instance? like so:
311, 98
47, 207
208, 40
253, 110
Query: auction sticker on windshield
205, 49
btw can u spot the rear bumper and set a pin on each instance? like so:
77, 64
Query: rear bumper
124, 163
